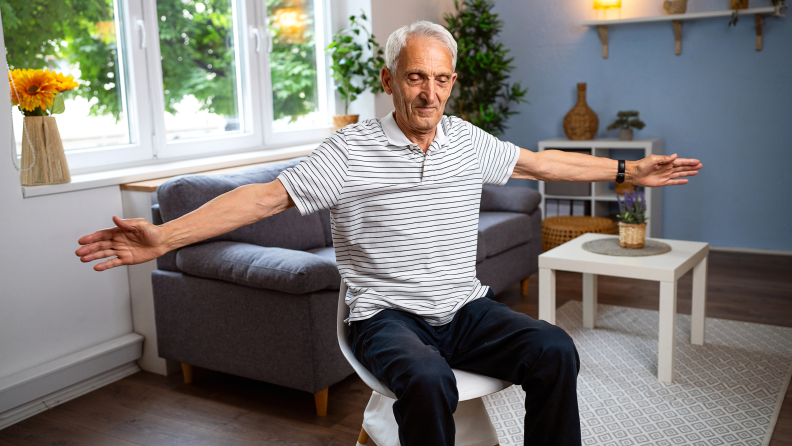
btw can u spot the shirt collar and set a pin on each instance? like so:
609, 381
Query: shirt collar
396, 136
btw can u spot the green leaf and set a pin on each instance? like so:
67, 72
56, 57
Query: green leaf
58, 106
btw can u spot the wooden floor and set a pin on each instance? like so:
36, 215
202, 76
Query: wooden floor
217, 409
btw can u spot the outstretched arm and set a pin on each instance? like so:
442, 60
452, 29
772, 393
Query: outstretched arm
557, 165
136, 240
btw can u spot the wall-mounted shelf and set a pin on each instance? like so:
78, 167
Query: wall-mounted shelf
677, 19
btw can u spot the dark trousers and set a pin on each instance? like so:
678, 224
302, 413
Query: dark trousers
415, 359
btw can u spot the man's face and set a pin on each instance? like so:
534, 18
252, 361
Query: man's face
422, 83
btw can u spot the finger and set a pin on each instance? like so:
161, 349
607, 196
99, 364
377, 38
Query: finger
93, 247
686, 162
123, 224
112, 263
98, 255
668, 159
104, 234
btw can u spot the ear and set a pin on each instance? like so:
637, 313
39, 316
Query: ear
387, 80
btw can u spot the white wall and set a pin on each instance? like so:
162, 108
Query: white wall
51, 304
388, 16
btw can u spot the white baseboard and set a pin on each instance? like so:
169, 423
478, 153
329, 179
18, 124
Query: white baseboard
47, 402
751, 250
34, 390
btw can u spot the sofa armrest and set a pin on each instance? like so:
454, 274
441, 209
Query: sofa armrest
167, 261
509, 199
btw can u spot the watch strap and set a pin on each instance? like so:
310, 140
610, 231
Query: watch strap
620, 175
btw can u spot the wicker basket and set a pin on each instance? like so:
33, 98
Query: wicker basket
632, 236
559, 230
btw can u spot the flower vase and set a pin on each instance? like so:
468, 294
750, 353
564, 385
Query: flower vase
341, 121
581, 123
632, 236
46, 156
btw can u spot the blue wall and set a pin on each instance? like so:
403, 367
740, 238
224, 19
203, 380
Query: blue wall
721, 102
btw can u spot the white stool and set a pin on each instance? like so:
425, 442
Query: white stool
473, 425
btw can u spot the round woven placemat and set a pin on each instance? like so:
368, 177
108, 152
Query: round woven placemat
610, 247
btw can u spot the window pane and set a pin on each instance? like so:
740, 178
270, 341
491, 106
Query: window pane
79, 38
200, 69
293, 63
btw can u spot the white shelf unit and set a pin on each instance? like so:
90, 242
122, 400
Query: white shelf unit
602, 193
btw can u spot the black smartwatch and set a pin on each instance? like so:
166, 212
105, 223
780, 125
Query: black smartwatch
620, 175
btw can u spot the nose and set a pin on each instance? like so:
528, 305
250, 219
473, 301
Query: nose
428, 91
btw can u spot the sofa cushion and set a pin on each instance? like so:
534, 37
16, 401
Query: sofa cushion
327, 252
509, 199
288, 229
287, 270
503, 230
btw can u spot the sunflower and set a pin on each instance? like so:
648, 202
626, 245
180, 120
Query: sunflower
65, 83
34, 88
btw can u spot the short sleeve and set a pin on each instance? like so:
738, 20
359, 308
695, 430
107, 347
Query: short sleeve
317, 182
496, 158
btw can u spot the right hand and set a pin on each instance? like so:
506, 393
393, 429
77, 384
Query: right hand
132, 241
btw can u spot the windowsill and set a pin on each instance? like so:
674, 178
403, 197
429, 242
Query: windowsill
150, 172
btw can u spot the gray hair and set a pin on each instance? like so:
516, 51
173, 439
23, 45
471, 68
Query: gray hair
398, 40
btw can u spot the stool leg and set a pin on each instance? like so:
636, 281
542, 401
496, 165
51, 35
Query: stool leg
363, 438
525, 284
187, 371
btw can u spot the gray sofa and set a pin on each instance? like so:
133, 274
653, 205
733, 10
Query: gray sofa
260, 301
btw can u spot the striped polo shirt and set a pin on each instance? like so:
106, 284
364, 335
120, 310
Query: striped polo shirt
404, 223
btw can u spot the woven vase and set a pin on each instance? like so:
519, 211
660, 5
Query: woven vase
581, 122
50, 165
675, 7
632, 236
739, 4
341, 121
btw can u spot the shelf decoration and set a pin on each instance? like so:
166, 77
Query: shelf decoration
675, 7
581, 122
677, 19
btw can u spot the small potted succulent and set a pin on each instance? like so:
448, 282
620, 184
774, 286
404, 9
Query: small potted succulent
632, 213
626, 121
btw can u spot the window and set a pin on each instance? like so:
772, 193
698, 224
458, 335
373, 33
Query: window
176, 78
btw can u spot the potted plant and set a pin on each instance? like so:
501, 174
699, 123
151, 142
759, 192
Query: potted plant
353, 72
484, 96
38, 94
626, 121
632, 213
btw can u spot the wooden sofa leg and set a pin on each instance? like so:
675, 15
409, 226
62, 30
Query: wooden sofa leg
320, 398
187, 371
363, 438
525, 284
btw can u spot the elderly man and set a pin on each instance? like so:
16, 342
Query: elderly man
404, 193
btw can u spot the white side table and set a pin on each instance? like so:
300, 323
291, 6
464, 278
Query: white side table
666, 268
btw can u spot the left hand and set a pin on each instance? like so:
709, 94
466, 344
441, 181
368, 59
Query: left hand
663, 170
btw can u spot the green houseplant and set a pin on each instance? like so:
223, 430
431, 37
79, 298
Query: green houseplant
625, 122
354, 71
632, 216
483, 94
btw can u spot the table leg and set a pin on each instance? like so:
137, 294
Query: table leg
698, 313
666, 335
589, 300
547, 295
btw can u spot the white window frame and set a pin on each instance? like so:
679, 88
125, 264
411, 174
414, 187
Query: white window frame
137, 31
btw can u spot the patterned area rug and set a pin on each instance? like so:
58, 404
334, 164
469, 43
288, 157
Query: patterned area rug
726, 392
